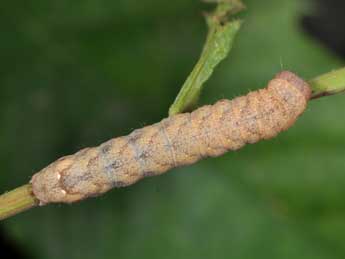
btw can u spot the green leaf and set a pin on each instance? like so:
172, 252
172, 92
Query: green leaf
218, 44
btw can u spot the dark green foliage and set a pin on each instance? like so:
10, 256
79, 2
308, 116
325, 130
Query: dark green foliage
76, 73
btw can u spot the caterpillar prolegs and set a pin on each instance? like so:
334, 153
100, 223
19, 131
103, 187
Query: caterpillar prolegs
182, 139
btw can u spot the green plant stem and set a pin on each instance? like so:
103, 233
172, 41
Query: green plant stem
16, 201
328, 84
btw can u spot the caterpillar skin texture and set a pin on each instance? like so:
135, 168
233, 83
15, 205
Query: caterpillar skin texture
183, 139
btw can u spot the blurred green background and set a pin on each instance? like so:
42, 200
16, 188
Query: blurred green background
76, 73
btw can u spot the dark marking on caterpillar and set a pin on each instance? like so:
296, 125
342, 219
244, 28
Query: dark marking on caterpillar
180, 140
115, 165
105, 149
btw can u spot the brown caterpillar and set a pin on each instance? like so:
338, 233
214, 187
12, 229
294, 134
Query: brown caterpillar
182, 139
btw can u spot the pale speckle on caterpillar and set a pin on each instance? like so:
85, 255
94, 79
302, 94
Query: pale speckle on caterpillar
182, 139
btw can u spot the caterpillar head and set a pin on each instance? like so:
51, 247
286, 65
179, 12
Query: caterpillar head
46, 185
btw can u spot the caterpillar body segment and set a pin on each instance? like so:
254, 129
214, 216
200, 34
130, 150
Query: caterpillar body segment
180, 140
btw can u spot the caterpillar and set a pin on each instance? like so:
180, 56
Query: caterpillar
180, 140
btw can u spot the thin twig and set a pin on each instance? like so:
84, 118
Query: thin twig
16, 201
328, 84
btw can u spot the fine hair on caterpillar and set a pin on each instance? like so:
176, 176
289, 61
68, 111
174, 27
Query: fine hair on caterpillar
179, 140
